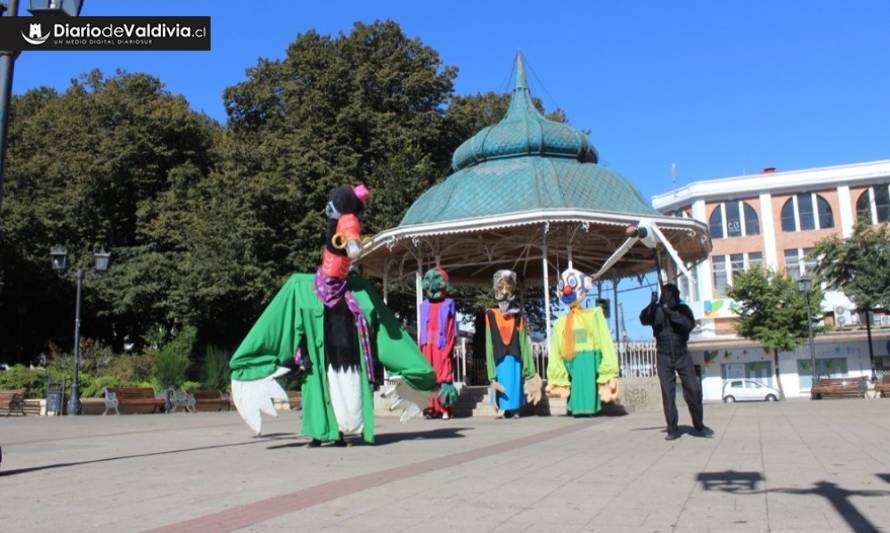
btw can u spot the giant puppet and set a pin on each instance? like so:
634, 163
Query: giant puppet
438, 333
508, 353
335, 329
582, 364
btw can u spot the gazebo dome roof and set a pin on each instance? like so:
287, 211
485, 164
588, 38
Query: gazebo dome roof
524, 131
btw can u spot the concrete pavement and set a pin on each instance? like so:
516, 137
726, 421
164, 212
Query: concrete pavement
795, 465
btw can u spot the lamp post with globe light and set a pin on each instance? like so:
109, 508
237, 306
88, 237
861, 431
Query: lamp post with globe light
59, 256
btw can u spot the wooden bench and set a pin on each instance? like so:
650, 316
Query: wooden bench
13, 401
211, 400
116, 397
839, 387
882, 388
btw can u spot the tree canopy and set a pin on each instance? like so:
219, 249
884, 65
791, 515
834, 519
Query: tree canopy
860, 265
205, 220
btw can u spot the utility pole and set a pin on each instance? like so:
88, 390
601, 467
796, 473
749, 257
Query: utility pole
7, 62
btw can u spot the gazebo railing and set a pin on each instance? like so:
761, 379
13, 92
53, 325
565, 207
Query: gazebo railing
636, 359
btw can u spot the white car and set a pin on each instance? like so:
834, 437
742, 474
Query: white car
747, 390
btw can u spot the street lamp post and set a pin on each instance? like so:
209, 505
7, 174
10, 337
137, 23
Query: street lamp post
69, 8
805, 285
59, 256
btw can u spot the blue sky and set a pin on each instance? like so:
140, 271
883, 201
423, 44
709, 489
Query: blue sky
719, 88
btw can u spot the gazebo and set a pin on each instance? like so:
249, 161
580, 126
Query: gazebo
529, 194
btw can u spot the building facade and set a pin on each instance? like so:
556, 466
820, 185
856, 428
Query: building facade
774, 219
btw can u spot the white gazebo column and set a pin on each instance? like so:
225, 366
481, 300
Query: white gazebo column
768, 230
386, 282
705, 284
546, 276
418, 290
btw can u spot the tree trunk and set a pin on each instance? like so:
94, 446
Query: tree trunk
779, 375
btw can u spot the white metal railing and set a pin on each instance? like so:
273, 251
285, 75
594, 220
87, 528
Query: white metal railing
635, 359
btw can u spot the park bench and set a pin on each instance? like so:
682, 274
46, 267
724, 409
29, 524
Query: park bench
12, 401
211, 400
839, 387
179, 399
883, 387
116, 397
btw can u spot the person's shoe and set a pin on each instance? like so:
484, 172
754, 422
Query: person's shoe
672, 434
704, 432
314, 443
445, 416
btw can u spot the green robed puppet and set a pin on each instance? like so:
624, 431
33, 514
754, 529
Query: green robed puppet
333, 327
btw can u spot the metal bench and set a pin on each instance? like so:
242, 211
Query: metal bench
116, 397
180, 399
13, 401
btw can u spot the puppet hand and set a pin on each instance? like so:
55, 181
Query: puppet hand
403, 396
448, 394
532, 388
559, 391
498, 387
609, 391
252, 398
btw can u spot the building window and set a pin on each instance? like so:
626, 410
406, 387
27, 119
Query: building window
800, 261
720, 278
736, 263
806, 211
874, 204
733, 219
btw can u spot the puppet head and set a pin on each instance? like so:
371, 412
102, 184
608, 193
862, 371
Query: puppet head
573, 286
435, 284
505, 291
670, 295
344, 235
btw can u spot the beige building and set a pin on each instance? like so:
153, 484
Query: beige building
774, 219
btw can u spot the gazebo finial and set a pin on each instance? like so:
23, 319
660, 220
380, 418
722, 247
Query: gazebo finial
521, 82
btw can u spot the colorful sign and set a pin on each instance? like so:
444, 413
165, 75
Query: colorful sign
720, 308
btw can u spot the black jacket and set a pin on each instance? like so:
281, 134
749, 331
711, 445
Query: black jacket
671, 322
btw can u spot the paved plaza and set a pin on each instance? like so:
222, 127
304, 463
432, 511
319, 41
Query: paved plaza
795, 465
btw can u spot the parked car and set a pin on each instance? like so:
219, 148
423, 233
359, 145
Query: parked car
747, 390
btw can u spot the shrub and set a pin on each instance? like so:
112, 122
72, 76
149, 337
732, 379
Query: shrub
133, 367
94, 387
172, 360
32, 380
189, 386
215, 370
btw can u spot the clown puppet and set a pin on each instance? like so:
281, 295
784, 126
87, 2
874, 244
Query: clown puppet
582, 365
334, 327
438, 333
508, 353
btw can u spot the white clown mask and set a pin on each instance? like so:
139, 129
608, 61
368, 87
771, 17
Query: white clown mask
573, 286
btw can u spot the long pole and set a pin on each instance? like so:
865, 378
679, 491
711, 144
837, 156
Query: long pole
7, 62
812, 344
74, 401
546, 275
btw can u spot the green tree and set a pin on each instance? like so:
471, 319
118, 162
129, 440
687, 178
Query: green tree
173, 360
772, 311
87, 168
860, 267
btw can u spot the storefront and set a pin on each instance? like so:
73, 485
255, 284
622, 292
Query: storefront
837, 356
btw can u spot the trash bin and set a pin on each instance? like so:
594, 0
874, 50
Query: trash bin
55, 396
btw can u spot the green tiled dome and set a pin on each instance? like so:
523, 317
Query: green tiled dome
526, 162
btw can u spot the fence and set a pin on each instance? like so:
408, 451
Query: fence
635, 359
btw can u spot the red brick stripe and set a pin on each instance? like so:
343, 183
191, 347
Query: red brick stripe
260, 511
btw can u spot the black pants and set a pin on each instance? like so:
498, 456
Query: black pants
668, 368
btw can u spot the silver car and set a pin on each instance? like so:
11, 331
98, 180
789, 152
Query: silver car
748, 390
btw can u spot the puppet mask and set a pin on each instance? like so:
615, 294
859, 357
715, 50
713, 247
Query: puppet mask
504, 291
435, 284
573, 286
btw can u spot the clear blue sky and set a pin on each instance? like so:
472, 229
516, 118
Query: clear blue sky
720, 88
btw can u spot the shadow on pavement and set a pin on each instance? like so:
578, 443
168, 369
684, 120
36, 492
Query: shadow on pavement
16, 471
839, 497
442, 433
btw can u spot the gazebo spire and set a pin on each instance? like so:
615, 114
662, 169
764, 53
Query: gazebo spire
521, 82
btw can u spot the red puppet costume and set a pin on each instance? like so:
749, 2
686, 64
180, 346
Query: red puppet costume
438, 332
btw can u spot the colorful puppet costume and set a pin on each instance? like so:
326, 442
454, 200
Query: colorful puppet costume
296, 321
335, 329
508, 353
582, 361
438, 333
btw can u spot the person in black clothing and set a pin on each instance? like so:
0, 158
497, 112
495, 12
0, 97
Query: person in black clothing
671, 323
